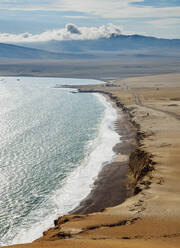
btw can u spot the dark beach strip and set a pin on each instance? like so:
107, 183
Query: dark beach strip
110, 187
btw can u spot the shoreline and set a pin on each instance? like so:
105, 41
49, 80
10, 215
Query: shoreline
110, 187
102, 176
151, 216
110, 169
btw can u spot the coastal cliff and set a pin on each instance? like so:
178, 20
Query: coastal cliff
149, 215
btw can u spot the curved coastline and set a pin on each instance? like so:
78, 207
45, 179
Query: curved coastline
151, 217
84, 176
110, 187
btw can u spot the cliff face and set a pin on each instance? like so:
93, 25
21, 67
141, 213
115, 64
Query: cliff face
140, 164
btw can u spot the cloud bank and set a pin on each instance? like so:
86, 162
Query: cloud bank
70, 32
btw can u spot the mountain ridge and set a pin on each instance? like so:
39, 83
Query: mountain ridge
116, 42
21, 52
113, 46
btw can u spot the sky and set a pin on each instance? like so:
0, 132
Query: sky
38, 20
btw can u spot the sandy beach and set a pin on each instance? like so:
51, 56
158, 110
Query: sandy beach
136, 198
105, 194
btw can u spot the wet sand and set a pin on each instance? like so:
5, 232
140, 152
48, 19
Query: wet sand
110, 187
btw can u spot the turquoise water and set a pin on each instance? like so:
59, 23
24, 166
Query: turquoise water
52, 145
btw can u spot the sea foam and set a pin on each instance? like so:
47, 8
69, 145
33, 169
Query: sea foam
80, 181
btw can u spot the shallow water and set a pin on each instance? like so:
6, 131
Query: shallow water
52, 145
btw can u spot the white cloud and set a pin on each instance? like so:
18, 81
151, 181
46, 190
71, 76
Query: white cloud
101, 8
73, 29
165, 22
70, 32
76, 17
117, 8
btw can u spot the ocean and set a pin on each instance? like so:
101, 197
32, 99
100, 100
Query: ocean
52, 146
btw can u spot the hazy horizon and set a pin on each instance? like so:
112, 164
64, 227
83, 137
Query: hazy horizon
76, 30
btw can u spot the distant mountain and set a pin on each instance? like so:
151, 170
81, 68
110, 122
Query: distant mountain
21, 52
115, 44
13, 51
